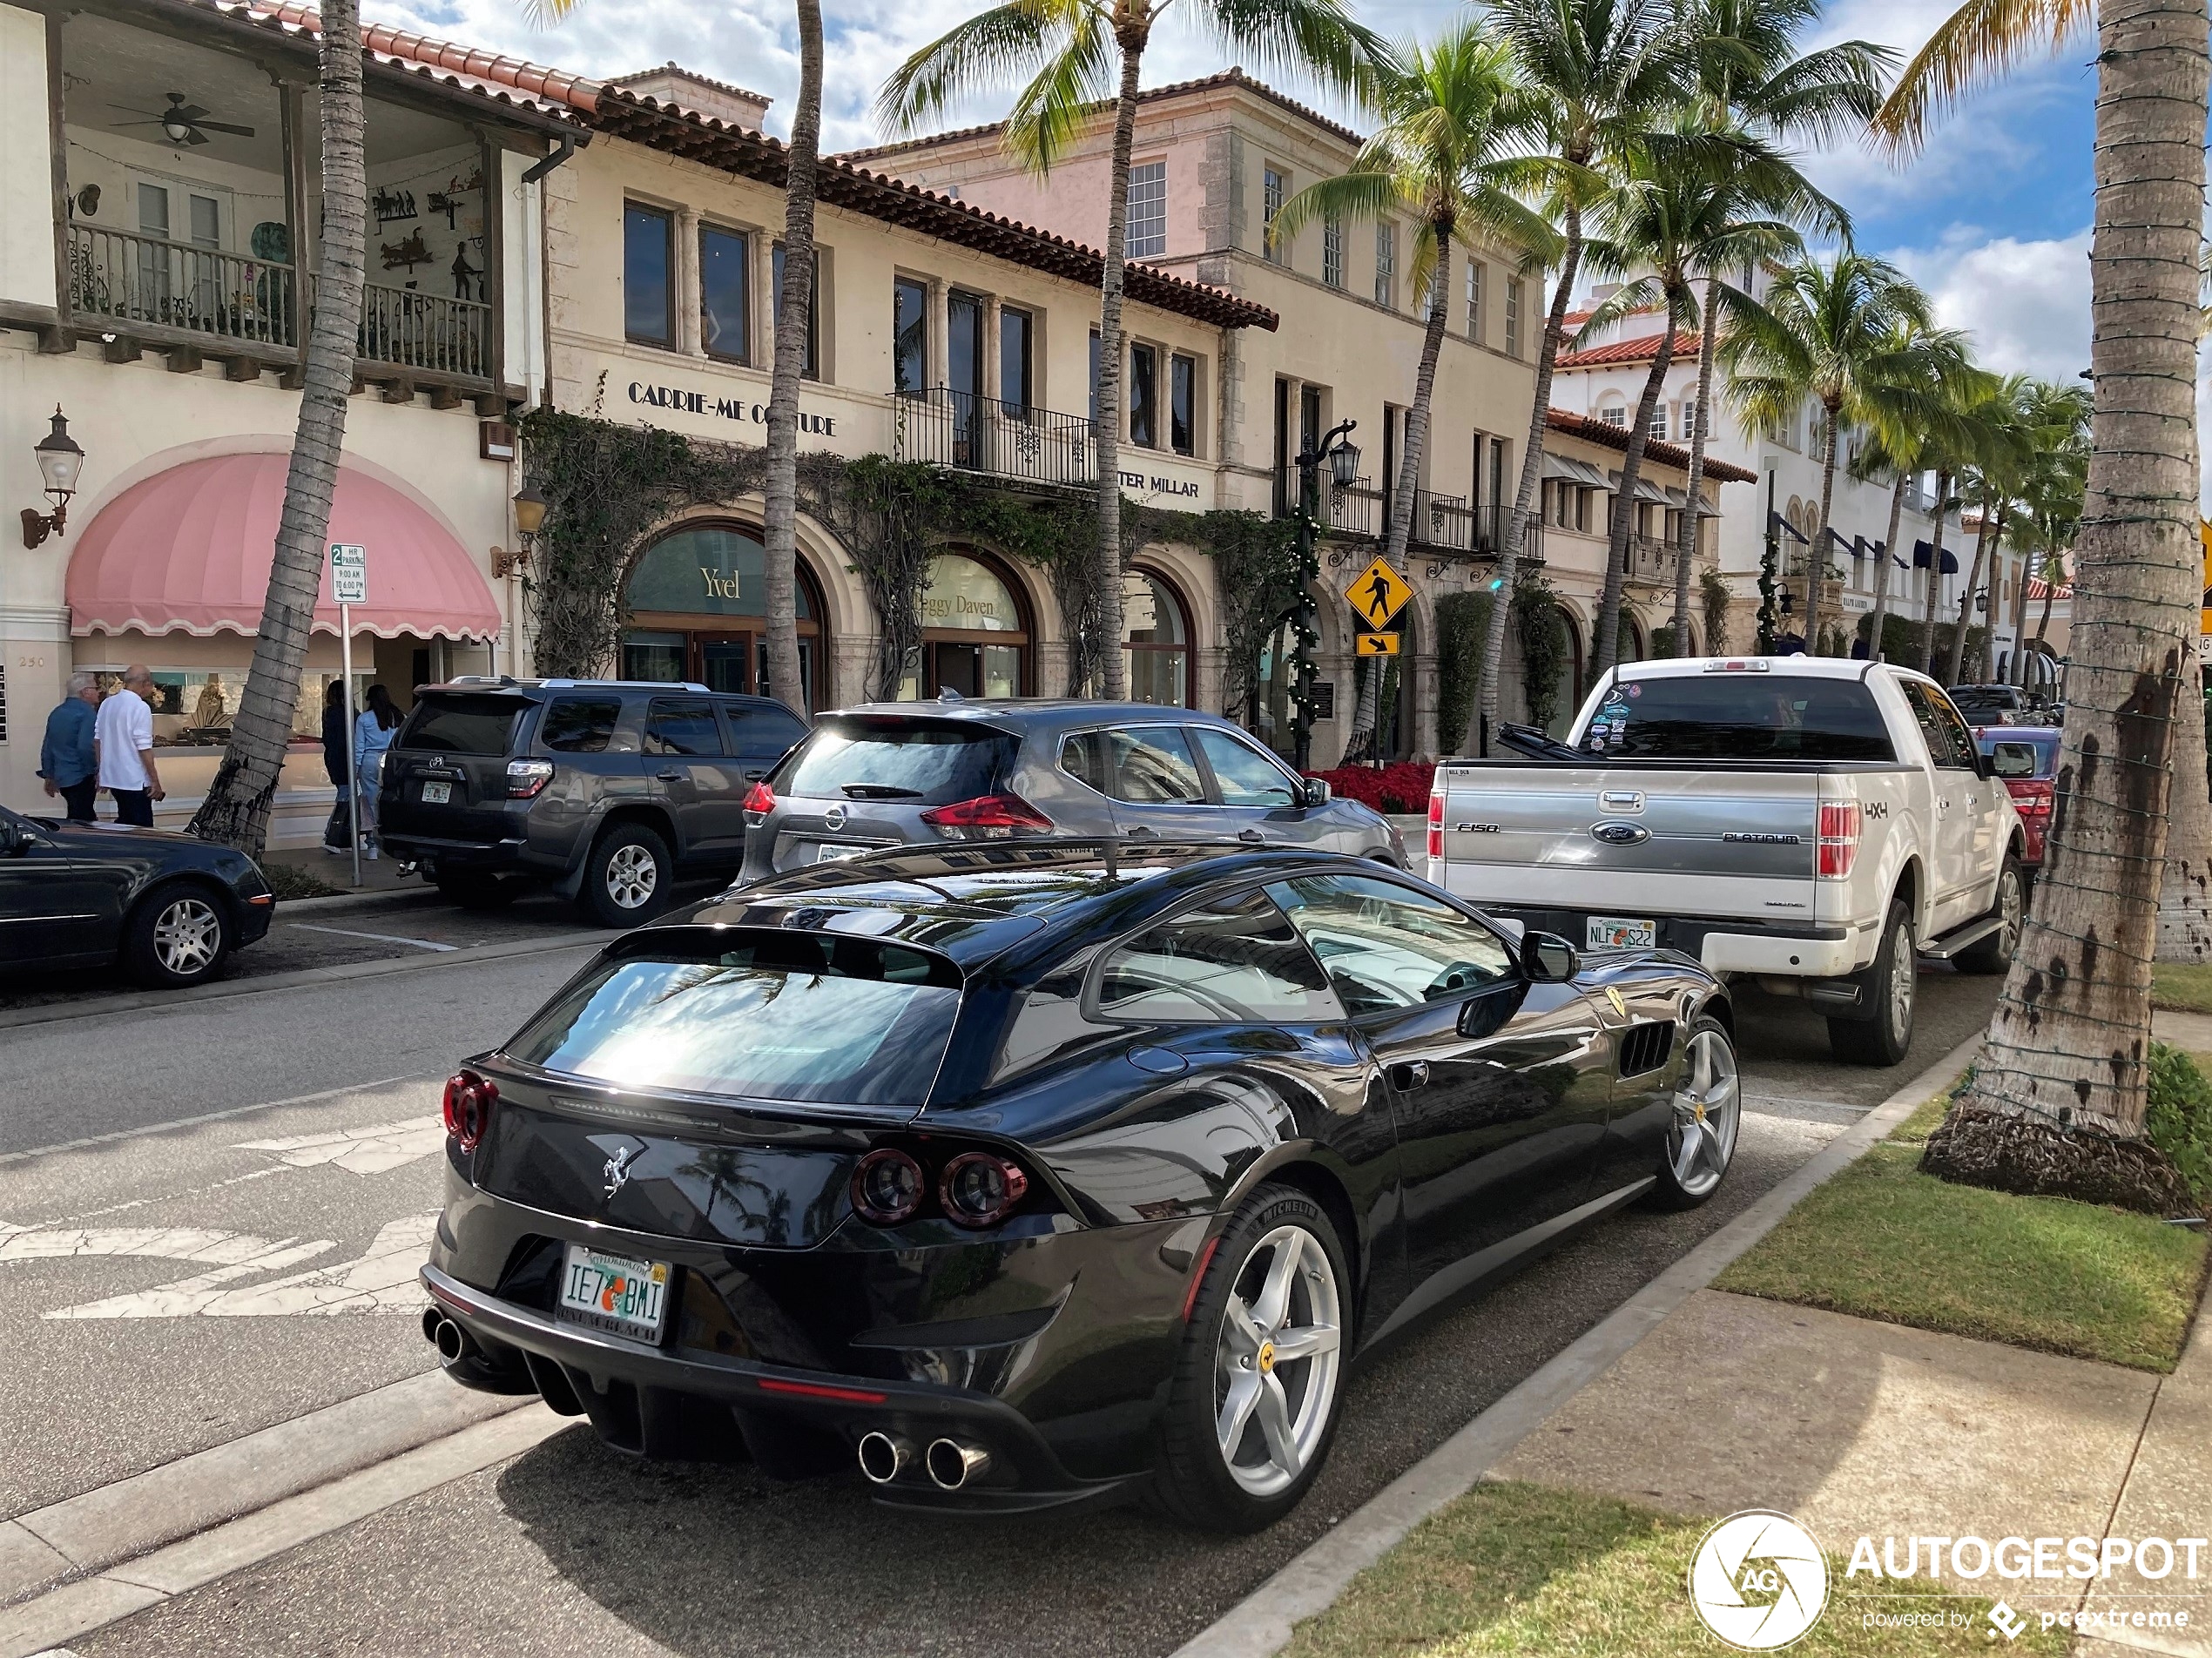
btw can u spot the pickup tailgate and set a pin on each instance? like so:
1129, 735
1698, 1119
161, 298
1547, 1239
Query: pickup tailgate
1634, 841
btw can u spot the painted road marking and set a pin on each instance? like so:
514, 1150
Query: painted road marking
360, 1151
381, 1280
380, 938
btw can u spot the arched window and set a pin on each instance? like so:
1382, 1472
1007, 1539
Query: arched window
699, 611
974, 631
1158, 643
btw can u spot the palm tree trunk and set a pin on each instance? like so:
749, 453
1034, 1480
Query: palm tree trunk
2068, 1046
1625, 512
1882, 575
1524, 500
1935, 577
1103, 649
2053, 572
1686, 544
2019, 674
236, 809
2185, 895
1399, 529
779, 527
1816, 555
1966, 597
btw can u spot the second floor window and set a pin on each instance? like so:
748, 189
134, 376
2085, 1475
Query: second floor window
1015, 329
1094, 377
1474, 300
1614, 415
1513, 316
1273, 188
1332, 249
648, 275
1182, 405
1148, 211
1658, 432
1387, 265
725, 294
811, 363
1145, 397
909, 336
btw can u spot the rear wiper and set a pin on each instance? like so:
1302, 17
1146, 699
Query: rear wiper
879, 791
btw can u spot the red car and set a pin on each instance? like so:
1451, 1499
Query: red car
2027, 757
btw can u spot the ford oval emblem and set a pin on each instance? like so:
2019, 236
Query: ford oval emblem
834, 818
1620, 834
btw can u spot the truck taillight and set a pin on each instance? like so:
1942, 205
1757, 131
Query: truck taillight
1839, 824
1436, 817
2033, 797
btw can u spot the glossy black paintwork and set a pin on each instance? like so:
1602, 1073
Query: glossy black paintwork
1139, 1141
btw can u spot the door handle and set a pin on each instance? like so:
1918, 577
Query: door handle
670, 777
1139, 829
1408, 1074
1251, 835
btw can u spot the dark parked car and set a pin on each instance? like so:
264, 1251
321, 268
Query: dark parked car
2025, 758
167, 907
1032, 1175
2001, 704
606, 789
905, 773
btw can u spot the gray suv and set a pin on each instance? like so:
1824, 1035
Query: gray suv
888, 774
606, 789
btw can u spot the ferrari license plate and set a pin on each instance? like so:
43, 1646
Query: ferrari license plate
436, 794
614, 1293
1618, 933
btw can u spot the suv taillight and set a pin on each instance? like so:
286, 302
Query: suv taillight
526, 778
988, 817
760, 798
1436, 817
1839, 826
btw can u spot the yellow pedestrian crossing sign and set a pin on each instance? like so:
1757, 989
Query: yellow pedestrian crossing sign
1378, 593
1375, 644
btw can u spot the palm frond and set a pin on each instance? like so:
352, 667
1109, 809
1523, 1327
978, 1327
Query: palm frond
1980, 42
1058, 105
1016, 38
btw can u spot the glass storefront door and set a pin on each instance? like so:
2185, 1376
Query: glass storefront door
722, 660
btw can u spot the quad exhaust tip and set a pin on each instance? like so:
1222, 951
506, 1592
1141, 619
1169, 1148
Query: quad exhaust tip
953, 1465
884, 1457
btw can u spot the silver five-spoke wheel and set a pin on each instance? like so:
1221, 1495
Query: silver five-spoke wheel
632, 874
1701, 1136
1278, 1360
187, 936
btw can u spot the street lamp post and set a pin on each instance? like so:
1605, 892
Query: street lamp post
1343, 456
60, 463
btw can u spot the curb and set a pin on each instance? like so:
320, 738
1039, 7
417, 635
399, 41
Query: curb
1261, 1624
373, 898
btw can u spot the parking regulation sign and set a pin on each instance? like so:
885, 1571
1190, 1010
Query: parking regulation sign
348, 573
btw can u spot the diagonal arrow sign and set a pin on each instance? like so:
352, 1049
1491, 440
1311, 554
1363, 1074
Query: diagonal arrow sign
382, 1279
361, 1151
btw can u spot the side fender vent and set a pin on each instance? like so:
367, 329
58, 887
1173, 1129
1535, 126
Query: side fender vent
1645, 1048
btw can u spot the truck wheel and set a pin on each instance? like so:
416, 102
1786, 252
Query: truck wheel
1995, 954
1889, 983
625, 881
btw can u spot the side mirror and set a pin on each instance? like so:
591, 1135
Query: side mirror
1548, 959
2012, 760
1317, 791
14, 842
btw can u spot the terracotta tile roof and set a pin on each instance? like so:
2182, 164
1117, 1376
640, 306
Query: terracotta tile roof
1236, 77
672, 67
469, 66
1616, 437
1642, 348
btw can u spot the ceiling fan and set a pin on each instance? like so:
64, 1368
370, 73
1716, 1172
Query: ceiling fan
182, 123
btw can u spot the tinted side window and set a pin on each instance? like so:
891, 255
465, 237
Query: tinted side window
1234, 961
574, 726
1387, 946
1088, 757
1247, 777
1153, 766
756, 729
1935, 730
1962, 737
685, 726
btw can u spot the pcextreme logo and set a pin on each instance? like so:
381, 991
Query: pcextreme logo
1758, 1581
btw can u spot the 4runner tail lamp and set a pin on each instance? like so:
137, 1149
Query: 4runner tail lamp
1839, 826
988, 817
760, 798
1436, 817
468, 1100
526, 778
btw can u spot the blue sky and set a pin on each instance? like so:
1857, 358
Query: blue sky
1993, 219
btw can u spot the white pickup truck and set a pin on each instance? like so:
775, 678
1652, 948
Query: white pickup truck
1810, 824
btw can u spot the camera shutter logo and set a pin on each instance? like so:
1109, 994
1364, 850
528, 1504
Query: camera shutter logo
1758, 1581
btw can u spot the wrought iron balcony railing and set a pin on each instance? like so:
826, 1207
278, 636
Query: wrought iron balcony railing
999, 438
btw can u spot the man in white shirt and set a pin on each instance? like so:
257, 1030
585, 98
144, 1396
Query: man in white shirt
122, 737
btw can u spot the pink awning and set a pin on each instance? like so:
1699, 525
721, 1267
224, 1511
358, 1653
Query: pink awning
188, 550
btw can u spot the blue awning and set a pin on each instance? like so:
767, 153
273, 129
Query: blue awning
1923, 552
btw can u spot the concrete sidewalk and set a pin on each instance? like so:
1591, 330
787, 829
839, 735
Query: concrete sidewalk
378, 875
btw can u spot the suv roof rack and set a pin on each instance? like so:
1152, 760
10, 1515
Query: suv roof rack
627, 685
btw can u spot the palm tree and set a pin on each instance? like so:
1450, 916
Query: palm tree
1823, 335
780, 512
2050, 503
2080, 982
236, 809
1075, 52
1445, 156
2006, 439
1603, 72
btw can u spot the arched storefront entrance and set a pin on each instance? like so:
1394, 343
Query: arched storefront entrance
1158, 646
976, 632
698, 609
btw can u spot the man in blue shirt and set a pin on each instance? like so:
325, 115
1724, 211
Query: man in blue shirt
66, 760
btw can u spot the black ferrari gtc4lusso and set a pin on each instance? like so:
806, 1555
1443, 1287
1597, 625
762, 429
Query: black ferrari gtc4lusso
1030, 1173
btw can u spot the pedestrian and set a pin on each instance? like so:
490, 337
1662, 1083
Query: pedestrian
68, 759
123, 732
338, 761
371, 736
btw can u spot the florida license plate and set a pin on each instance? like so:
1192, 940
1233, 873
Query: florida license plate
830, 851
1618, 933
436, 794
614, 1293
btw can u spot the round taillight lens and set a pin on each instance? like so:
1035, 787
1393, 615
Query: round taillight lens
468, 1100
980, 1189
887, 1187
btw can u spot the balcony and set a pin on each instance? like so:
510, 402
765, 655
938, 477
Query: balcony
1652, 560
1014, 442
1354, 510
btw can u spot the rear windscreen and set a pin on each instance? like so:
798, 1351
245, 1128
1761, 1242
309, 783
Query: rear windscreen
924, 763
809, 1017
459, 723
1739, 716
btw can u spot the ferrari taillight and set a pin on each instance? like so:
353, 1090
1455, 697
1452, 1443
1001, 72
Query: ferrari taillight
468, 1100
